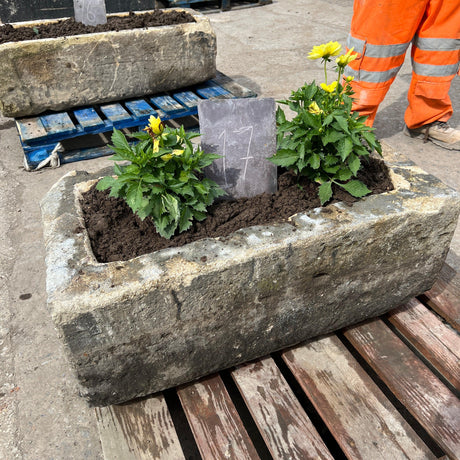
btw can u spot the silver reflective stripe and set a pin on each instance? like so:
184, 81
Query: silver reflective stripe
372, 77
437, 44
377, 51
355, 43
429, 70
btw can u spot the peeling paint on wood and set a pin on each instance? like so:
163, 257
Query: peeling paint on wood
215, 423
141, 430
436, 341
420, 391
284, 425
362, 420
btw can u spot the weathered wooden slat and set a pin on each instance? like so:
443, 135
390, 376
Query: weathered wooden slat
280, 418
31, 129
213, 91
88, 119
58, 124
438, 343
444, 296
115, 113
362, 420
140, 108
187, 98
232, 86
142, 430
420, 391
217, 428
166, 103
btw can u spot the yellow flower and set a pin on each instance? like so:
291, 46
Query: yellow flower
325, 51
314, 108
345, 59
168, 156
156, 145
329, 88
349, 79
156, 125
333, 48
317, 52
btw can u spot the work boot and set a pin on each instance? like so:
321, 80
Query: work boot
438, 132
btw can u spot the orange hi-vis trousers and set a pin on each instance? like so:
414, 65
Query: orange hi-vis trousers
381, 31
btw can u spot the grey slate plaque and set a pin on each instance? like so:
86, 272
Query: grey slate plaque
243, 131
90, 12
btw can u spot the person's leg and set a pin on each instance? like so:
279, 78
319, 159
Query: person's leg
435, 62
380, 33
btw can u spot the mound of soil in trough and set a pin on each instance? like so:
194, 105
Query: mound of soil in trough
117, 234
68, 27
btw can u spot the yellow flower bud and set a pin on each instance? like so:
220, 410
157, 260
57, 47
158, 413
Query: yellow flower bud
345, 59
177, 152
314, 108
329, 88
156, 125
166, 157
349, 79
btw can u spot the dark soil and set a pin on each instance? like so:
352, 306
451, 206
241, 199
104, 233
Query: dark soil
68, 27
117, 234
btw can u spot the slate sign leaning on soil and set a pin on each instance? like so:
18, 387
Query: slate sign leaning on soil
90, 12
243, 131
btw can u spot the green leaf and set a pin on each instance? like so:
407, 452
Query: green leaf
325, 192
331, 136
310, 120
171, 205
280, 116
344, 148
315, 161
356, 188
185, 220
284, 157
134, 197
354, 163
342, 122
119, 140
117, 188
344, 175
105, 183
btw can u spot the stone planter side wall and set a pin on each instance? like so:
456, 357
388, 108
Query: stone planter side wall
137, 327
57, 73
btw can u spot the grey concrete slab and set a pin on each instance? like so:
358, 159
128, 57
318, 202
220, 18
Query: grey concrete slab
264, 48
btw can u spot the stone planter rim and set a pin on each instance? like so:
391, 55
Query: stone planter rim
38, 22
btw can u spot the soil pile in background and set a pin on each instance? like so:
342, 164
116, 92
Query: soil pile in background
117, 234
68, 27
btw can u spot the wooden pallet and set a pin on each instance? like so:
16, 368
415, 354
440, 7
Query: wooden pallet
83, 132
387, 388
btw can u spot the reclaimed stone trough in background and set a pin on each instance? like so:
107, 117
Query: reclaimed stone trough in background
137, 327
58, 73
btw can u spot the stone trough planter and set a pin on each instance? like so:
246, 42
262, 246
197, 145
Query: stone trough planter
57, 73
159, 320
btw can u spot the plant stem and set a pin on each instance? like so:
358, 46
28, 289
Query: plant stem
325, 71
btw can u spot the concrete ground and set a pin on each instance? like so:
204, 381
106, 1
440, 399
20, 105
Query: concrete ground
263, 48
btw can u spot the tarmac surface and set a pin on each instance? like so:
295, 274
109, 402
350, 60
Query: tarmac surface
263, 48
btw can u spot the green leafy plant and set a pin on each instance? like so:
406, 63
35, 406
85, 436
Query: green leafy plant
164, 178
325, 140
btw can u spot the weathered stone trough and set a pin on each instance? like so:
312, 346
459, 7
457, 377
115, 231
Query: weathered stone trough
57, 73
137, 327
